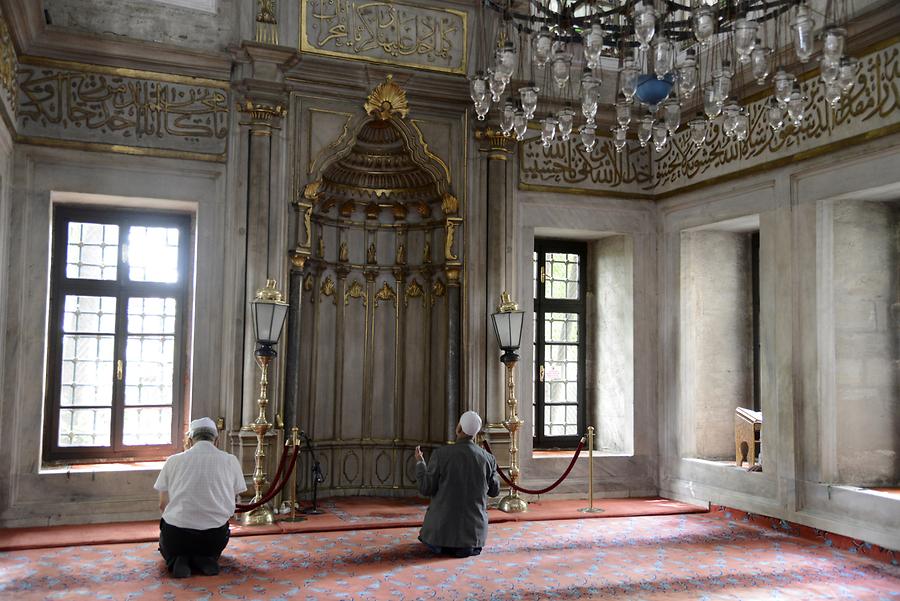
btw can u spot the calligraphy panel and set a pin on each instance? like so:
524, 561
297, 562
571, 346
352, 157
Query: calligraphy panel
100, 105
872, 105
8, 66
385, 32
568, 165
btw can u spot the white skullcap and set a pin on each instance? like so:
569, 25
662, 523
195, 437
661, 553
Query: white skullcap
470, 423
204, 423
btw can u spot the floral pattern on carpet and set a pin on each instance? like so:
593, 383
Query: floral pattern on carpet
694, 556
376, 510
828, 538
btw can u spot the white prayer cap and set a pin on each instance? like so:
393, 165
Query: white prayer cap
470, 423
204, 423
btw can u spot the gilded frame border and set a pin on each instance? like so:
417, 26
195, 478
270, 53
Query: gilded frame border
305, 45
166, 153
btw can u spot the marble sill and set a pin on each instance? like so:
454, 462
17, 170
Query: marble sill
567, 453
89, 468
719, 463
884, 492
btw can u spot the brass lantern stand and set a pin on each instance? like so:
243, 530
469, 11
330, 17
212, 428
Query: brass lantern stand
508, 322
269, 312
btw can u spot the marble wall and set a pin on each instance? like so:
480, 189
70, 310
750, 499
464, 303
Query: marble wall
43, 177
613, 225
205, 25
865, 237
245, 228
611, 366
802, 433
716, 338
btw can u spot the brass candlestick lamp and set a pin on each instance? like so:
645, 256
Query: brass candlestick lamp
269, 312
508, 328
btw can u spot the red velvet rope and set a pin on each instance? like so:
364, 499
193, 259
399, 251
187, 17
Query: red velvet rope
240, 508
280, 469
281, 478
542, 491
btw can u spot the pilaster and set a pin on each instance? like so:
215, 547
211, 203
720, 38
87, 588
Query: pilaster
496, 150
262, 98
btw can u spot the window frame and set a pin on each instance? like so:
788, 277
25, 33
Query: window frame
122, 288
754, 299
542, 306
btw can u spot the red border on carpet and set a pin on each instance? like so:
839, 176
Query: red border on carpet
343, 513
838, 541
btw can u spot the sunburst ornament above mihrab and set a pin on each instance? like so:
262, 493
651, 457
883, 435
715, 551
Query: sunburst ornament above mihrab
386, 100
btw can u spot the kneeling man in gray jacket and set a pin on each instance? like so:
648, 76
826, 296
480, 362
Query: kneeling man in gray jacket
459, 478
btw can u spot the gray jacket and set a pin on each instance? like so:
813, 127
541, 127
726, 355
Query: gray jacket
459, 478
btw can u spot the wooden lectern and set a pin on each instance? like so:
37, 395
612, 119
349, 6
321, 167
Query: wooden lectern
747, 425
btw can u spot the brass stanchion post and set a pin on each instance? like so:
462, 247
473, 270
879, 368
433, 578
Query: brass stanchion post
590, 508
294, 443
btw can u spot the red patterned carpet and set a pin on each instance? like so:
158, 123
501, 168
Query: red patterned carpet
341, 513
692, 556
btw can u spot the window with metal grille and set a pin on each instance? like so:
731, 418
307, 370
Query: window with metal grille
115, 351
558, 411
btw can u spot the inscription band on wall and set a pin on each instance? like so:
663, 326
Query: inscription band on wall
8, 66
870, 111
108, 108
395, 33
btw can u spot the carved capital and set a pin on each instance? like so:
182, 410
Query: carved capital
400, 273
263, 115
454, 273
299, 257
311, 191
449, 204
495, 143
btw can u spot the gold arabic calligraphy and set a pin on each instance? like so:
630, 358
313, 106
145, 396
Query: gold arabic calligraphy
873, 103
874, 97
570, 163
134, 109
7, 65
386, 29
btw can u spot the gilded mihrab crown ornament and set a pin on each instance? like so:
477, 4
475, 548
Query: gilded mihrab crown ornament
386, 100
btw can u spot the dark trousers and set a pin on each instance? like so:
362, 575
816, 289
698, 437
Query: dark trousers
453, 551
175, 541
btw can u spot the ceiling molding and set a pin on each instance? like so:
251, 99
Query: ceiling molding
206, 6
327, 76
26, 21
34, 37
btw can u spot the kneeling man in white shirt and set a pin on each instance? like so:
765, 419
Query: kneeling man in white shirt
197, 490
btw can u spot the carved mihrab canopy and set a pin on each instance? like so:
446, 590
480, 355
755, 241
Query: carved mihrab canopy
380, 171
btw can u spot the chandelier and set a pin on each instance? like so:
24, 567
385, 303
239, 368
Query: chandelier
670, 57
